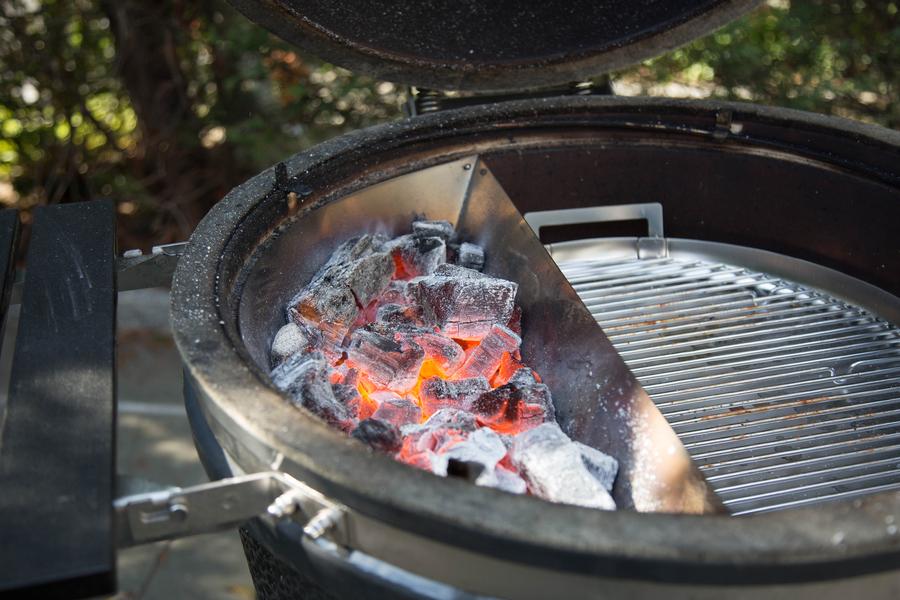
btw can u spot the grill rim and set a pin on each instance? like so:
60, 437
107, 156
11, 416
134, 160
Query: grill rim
655, 547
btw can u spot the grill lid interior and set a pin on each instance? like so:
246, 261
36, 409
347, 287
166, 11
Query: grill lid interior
490, 46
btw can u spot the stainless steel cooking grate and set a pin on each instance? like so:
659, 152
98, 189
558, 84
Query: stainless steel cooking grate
784, 395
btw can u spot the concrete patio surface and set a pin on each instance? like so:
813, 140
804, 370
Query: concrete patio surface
154, 443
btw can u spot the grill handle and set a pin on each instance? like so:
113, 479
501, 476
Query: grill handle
652, 246
649, 211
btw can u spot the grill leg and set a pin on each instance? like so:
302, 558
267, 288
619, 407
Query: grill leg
274, 579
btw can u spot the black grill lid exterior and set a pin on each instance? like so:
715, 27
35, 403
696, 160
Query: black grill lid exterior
489, 45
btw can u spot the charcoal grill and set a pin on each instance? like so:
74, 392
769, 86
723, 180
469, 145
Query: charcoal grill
751, 287
741, 260
235, 271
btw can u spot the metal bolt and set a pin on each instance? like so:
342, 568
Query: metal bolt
324, 520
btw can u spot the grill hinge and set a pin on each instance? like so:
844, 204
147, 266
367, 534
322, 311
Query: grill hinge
180, 512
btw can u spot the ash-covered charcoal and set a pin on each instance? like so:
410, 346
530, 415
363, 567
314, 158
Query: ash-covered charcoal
327, 306
470, 256
552, 465
457, 272
515, 321
398, 315
462, 303
502, 479
602, 466
446, 418
396, 293
305, 379
352, 250
415, 255
378, 435
445, 354
485, 358
385, 361
398, 411
347, 395
436, 393
293, 339
482, 446
523, 376
413, 329
368, 277
441, 229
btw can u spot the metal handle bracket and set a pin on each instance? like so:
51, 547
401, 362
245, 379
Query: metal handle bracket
180, 512
652, 246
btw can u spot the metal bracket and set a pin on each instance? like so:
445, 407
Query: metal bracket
225, 504
134, 270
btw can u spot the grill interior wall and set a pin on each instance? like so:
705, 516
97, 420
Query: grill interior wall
783, 395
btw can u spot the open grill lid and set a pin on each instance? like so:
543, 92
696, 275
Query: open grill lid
497, 45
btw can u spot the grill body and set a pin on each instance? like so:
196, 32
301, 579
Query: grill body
830, 193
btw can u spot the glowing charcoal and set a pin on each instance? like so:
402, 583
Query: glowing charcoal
292, 339
305, 380
441, 229
508, 367
502, 479
436, 393
385, 361
397, 411
462, 303
378, 435
415, 255
483, 447
485, 358
446, 354
553, 467
348, 396
470, 256
602, 466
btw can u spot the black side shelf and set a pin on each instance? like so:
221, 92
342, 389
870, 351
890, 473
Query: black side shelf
57, 441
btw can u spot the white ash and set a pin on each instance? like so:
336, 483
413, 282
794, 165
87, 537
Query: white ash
553, 467
502, 479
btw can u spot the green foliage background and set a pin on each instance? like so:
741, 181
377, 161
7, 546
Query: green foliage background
166, 105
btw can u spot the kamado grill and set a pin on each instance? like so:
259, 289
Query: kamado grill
742, 262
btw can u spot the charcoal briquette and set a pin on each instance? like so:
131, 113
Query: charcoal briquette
440, 229
470, 256
464, 304
553, 467
305, 379
378, 435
